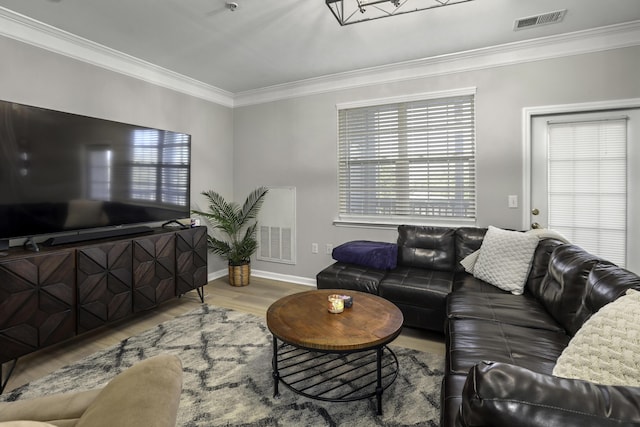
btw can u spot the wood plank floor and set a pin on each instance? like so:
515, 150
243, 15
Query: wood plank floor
255, 298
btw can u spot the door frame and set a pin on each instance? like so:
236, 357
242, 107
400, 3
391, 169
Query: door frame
527, 115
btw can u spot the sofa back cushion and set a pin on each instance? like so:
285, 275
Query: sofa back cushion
563, 289
540, 264
426, 247
606, 283
468, 240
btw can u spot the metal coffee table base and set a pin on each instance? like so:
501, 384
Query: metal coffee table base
334, 376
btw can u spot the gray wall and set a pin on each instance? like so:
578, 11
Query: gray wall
33, 76
293, 142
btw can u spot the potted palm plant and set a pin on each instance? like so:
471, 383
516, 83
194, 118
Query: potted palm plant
237, 224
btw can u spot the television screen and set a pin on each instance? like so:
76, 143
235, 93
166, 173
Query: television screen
63, 172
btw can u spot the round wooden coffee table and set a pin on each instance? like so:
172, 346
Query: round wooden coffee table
334, 357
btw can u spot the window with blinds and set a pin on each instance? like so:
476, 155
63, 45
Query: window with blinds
408, 160
160, 157
587, 185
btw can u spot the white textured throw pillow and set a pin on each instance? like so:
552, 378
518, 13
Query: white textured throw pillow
469, 262
505, 259
605, 349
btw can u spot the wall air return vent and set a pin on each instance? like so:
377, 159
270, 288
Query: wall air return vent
277, 226
538, 20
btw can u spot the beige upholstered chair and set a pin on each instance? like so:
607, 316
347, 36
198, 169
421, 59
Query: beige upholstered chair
145, 395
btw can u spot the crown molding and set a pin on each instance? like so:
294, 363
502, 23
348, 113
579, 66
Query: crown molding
576, 43
36, 33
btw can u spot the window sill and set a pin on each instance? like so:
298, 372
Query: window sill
392, 223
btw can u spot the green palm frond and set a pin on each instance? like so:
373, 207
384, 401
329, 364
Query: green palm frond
222, 215
252, 205
235, 222
218, 246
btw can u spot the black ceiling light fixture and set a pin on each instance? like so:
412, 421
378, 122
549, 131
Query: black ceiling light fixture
352, 11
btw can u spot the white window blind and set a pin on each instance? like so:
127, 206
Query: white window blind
408, 160
587, 167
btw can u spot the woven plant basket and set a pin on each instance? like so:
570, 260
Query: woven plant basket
239, 274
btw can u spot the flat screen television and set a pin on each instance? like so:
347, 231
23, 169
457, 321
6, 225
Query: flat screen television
62, 172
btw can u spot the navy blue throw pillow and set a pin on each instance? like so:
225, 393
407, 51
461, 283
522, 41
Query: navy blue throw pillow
380, 255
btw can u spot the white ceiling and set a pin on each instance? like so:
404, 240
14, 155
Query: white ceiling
271, 42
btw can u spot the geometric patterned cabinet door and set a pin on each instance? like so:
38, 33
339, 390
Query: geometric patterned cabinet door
37, 302
104, 284
191, 259
153, 270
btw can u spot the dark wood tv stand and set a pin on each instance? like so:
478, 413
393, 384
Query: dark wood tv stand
52, 295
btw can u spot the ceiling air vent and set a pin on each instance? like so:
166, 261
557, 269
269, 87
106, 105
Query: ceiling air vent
543, 19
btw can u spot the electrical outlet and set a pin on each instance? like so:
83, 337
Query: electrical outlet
329, 248
314, 248
513, 201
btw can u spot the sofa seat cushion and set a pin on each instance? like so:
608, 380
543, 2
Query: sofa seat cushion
341, 275
429, 318
420, 295
517, 310
472, 341
464, 282
416, 286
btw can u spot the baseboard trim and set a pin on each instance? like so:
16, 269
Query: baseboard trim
268, 275
217, 274
284, 277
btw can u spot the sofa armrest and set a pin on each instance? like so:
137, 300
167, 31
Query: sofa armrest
499, 394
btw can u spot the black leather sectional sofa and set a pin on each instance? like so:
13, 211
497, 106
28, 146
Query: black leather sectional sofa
501, 348
427, 267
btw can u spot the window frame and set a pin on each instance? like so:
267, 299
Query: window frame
392, 221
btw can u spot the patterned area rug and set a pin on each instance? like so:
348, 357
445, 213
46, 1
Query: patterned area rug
226, 356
